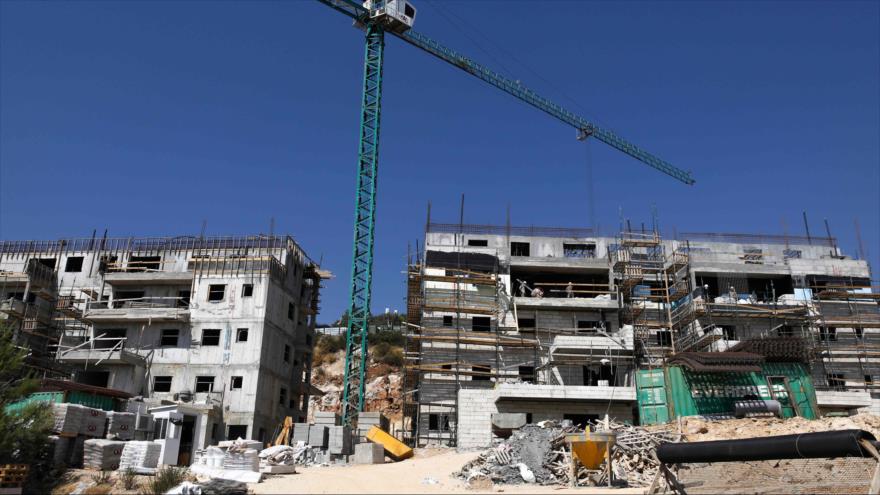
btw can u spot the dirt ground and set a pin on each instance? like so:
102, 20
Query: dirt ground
701, 430
414, 475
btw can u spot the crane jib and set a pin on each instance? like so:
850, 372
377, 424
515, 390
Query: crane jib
526, 95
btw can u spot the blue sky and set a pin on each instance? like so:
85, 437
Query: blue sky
147, 118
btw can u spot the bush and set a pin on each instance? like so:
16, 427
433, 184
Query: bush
101, 477
165, 479
386, 353
330, 344
392, 337
128, 478
25, 433
394, 357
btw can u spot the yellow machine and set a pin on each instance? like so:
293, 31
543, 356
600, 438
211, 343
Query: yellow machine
590, 449
395, 449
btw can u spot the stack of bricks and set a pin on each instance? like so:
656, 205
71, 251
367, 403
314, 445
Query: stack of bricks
301, 433
367, 420
340, 440
327, 418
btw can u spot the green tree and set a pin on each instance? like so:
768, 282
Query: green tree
25, 433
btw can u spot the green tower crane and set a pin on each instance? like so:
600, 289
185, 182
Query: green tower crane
396, 17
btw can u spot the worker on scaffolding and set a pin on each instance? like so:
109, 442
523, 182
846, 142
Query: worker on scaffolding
523, 288
569, 290
537, 292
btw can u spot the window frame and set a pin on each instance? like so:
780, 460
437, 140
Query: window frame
163, 336
232, 381
238, 334
212, 330
211, 384
156, 380
212, 291
516, 248
67, 268
247, 290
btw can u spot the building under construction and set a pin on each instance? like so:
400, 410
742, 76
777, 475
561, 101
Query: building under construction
555, 323
217, 331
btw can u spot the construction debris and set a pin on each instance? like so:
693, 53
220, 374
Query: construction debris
537, 453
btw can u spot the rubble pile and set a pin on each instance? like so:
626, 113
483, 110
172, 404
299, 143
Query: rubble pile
634, 459
538, 454
534, 452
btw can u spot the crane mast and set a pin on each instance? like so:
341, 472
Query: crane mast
396, 17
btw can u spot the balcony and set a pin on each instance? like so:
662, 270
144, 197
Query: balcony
120, 278
155, 309
98, 350
602, 301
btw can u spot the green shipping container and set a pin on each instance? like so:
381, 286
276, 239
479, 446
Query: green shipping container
691, 394
70, 396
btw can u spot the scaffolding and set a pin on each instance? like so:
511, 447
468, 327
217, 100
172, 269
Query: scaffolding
846, 337
39, 317
456, 338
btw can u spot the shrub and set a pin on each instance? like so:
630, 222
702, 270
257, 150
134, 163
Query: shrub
101, 477
392, 337
394, 357
165, 479
25, 433
128, 478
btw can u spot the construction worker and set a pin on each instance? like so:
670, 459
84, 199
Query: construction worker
523, 288
537, 292
569, 290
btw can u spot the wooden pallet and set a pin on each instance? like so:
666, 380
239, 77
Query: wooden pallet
13, 475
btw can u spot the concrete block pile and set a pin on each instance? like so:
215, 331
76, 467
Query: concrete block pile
140, 456
367, 420
120, 425
369, 453
102, 454
328, 441
339, 441
68, 419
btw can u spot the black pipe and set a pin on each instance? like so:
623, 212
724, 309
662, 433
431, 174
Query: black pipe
842, 443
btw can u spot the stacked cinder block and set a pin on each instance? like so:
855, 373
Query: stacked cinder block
140, 456
327, 418
68, 419
93, 422
120, 425
367, 420
339, 441
60, 447
301, 433
102, 454
318, 436
75, 454
369, 453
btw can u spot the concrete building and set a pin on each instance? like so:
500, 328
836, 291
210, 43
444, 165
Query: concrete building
221, 328
556, 323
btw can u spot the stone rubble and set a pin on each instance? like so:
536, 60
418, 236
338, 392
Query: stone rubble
539, 452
